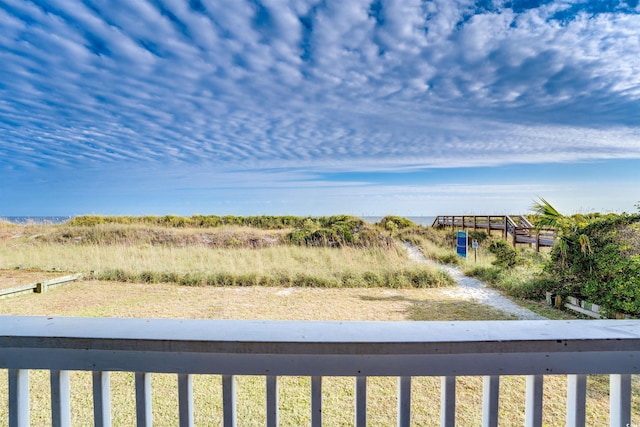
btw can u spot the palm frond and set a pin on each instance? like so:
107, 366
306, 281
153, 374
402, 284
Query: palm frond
549, 216
585, 244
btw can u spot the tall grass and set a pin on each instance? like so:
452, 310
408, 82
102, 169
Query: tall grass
201, 265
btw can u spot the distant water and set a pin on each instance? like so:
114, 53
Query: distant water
420, 220
36, 219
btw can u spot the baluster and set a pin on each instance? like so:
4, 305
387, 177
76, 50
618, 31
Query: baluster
533, 406
620, 400
404, 401
490, 399
576, 400
448, 401
185, 399
60, 403
143, 399
101, 399
316, 401
229, 400
361, 402
272, 401
18, 398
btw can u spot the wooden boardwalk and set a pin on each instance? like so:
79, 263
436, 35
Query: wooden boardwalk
515, 228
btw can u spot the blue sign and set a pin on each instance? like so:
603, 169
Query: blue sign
461, 246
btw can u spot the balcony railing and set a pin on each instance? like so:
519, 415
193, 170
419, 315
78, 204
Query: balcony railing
319, 349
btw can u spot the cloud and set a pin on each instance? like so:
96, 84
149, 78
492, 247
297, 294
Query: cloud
354, 85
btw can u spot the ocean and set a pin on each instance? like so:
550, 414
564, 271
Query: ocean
36, 219
420, 220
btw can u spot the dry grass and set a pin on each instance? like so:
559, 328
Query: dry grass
111, 299
200, 264
162, 300
190, 259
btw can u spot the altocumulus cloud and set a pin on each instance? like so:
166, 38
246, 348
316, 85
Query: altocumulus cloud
346, 85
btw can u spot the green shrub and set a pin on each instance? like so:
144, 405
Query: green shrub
478, 235
265, 222
607, 271
506, 256
336, 232
392, 223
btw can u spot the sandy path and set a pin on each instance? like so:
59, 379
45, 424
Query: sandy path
473, 289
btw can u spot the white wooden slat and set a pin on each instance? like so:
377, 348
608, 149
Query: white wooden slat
60, 399
448, 401
185, 399
101, 399
576, 400
143, 399
620, 400
18, 398
316, 401
533, 401
490, 400
361, 402
272, 401
229, 400
404, 401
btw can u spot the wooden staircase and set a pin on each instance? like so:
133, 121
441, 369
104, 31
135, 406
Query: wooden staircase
515, 228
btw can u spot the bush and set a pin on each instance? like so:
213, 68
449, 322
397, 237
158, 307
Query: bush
336, 232
608, 271
506, 256
265, 222
392, 223
478, 235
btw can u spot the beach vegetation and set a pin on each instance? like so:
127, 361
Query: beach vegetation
337, 251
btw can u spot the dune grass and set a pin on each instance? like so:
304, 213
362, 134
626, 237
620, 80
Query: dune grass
282, 265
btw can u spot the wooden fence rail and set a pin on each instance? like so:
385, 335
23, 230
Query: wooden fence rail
38, 287
514, 227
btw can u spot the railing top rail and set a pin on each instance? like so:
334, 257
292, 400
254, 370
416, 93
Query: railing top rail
235, 332
233, 347
274, 331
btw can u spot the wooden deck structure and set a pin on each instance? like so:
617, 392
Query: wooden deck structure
515, 228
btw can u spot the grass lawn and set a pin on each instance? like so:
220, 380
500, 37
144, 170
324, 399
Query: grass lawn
113, 299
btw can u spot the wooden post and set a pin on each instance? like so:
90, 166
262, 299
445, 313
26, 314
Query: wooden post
558, 301
505, 227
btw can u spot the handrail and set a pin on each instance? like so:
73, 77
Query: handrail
258, 347
521, 230
316, 349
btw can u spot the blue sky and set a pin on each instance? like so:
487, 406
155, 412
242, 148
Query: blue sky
309, 107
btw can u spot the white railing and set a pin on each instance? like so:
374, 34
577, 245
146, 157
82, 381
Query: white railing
318, 349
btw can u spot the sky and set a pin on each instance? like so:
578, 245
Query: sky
318, 107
